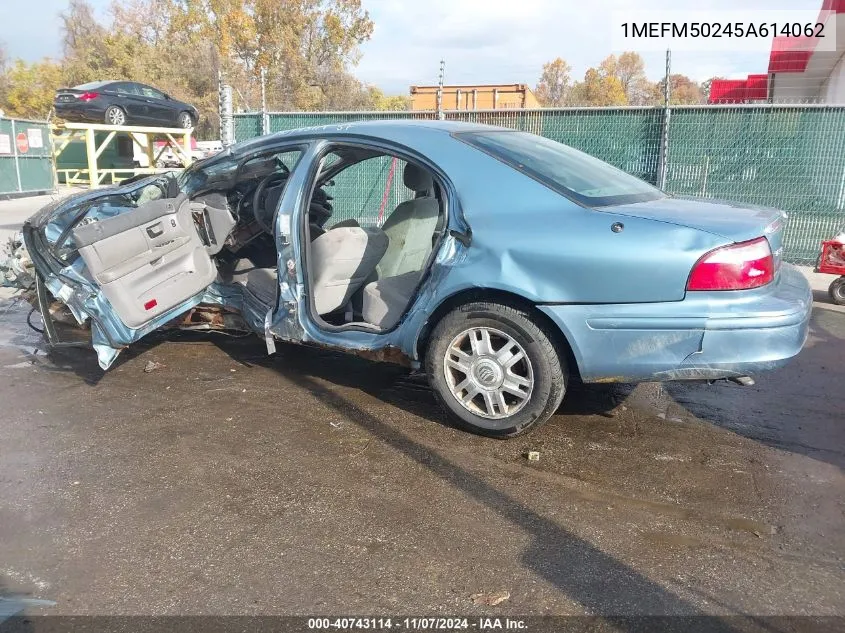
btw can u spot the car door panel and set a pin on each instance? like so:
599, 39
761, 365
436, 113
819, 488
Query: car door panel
146, 261
136, 108
158, 109
159, 112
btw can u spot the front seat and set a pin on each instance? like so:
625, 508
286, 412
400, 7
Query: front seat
410, 226
340, 261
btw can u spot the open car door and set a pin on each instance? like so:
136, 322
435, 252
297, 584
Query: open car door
147, 261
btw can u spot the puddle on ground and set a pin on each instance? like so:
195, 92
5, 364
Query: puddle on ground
15, 333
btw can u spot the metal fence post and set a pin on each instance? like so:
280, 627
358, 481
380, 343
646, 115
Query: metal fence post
227, 120
440, 114
265, 118
225, 110
17, 164
663, 149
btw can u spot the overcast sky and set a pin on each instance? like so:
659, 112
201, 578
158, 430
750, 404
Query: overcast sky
482, 41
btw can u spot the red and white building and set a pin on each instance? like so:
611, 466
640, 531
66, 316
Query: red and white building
797, 71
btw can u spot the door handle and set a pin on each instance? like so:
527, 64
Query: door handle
155, 230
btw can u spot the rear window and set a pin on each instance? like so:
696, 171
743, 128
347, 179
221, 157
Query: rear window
576, 175
92, 85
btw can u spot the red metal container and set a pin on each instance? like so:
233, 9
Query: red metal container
832, 259
832, 262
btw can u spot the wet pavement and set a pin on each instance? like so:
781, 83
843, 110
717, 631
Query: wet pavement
226, 481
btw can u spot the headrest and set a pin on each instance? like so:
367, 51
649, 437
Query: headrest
417, 179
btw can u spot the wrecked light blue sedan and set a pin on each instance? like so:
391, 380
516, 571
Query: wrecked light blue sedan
504, 263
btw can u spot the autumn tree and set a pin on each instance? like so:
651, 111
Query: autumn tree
616, 81
705, 88
26, 90
555, 84
682, 90
381, 101
629, 69
599, 89
29, 89
305, 47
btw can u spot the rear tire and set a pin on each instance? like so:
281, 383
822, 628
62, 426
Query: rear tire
115, 115
186, 120
837, 291
495, 370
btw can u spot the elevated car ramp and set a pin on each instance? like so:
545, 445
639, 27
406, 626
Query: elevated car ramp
98, 138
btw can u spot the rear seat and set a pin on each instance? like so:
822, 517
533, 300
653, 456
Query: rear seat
384, 301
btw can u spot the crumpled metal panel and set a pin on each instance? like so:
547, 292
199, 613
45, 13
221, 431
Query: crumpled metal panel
16, 267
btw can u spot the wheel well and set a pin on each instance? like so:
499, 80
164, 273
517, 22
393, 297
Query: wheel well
498, 296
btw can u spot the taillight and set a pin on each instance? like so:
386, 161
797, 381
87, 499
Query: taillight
735, 267
88, 96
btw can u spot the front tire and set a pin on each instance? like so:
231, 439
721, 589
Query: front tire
115, 116
495, 370
837, 291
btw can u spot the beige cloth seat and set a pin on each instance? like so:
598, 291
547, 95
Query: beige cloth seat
384, 301
411, 229
340, 260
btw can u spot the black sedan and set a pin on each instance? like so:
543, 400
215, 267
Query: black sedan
123, 103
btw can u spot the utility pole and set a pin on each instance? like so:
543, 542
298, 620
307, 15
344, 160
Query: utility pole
440, 114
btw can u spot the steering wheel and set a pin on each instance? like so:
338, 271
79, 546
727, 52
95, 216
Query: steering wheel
258, 199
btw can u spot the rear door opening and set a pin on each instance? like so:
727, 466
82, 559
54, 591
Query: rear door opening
373, 223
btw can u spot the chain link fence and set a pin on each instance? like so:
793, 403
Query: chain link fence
787, 156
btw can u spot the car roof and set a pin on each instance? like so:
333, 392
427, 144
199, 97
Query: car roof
381, 127
388, 129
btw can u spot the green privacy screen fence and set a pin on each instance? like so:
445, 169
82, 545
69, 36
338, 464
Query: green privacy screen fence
26, 162
789, 157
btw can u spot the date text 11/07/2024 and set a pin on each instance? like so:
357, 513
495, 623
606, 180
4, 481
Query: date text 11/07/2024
417, 624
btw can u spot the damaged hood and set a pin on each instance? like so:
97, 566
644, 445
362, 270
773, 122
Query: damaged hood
43, 215
735, 222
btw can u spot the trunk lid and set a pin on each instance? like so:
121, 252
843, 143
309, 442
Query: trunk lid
69, 95
736, 222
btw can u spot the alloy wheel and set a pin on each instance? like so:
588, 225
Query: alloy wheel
488, 372
116, 116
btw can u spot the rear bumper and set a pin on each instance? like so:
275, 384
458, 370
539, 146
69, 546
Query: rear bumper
79, 111
708, 335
